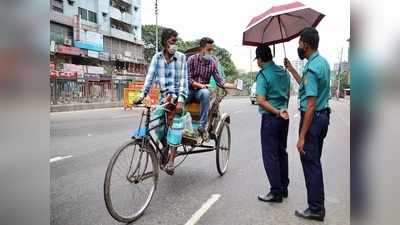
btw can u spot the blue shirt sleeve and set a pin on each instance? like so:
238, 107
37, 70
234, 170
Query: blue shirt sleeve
310, 83
151, 74
261, 85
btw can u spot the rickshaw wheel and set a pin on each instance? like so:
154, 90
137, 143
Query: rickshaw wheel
223, 146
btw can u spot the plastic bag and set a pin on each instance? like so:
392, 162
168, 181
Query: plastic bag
175, 132
187, 124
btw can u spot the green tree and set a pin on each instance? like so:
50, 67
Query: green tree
223, 55
149, 38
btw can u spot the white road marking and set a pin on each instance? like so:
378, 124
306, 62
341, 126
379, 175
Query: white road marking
58, 158
196, 217
89, 135
239, 111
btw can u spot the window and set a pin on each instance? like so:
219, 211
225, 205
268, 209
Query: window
83, 13
59, 33
87, 15
92, 17
136, 8
57, 5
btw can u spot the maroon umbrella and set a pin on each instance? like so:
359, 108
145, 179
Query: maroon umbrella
280, 24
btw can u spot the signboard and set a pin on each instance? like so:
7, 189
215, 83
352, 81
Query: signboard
128, 53
53, 73
93, 54
67, 75
92, 77
79, 69
89, 40
68, 50
95, 70
105, 56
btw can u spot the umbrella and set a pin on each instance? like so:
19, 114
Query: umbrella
280, 24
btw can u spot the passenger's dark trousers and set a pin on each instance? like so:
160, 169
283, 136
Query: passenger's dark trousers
274, 133
311, 160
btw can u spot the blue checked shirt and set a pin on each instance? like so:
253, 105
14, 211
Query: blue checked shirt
172, 78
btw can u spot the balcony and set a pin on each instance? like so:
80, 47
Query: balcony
124, 17
123, 35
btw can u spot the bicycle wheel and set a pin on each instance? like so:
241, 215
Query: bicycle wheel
130, 181
223, 147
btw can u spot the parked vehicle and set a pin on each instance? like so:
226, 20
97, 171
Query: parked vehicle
253, 94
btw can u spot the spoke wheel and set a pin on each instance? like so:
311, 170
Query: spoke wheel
130, 181
223, 147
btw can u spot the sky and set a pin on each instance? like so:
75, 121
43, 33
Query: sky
225, 20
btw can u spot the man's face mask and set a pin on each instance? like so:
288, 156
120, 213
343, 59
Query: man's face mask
207, 56
172, 49
301, 52
208, 52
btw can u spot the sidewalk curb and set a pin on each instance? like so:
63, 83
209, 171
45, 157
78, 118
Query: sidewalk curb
83, 106
87, 106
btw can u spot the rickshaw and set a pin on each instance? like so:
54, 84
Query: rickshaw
133, 171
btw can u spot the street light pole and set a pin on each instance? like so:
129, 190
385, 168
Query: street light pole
339, 69
156, 12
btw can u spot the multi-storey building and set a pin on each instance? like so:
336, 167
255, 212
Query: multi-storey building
96, 49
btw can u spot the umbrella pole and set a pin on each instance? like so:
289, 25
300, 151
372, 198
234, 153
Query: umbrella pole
280, 28
274, 49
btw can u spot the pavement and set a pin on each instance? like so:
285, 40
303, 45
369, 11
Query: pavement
82, 142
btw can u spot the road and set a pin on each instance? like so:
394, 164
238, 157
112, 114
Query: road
82, 143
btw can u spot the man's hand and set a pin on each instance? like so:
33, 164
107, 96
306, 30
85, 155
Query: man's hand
284, 114
229, 86
288, 64
203, 86
300, 145
147, 101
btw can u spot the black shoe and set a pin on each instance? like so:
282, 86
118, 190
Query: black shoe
285, 194
269, 198
169, 170
307, 214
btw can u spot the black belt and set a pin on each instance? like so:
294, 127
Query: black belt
326, 111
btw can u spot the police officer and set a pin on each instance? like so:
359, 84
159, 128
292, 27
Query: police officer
315, 112
272, 94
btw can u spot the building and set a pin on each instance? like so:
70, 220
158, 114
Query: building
95, 49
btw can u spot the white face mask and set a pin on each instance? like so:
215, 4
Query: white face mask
207, 56
172, 49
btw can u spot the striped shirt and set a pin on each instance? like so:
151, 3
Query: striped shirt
201, 71
172, 77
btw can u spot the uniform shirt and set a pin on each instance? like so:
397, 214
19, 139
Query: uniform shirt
172, 78
273, 83
201, 70
315, 82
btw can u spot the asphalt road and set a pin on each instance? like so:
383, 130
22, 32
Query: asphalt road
82, 143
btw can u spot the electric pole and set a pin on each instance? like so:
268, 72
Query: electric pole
156, 12
338, 76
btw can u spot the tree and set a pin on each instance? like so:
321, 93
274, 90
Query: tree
223, 55
149, 38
